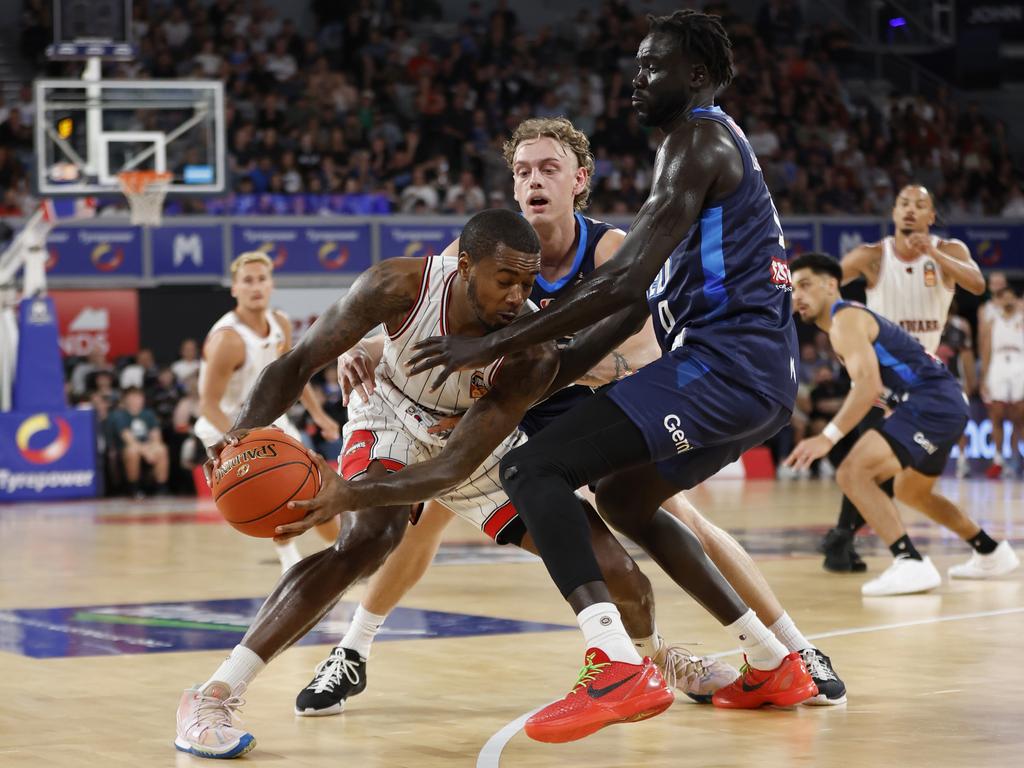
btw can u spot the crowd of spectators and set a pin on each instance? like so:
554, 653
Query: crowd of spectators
145, 412
392, 107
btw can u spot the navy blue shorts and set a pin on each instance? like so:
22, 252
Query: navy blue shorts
695, 421
922, 432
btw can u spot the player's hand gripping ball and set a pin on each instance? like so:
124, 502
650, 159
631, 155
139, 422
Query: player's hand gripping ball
257, 477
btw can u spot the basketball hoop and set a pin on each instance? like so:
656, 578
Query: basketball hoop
145, 191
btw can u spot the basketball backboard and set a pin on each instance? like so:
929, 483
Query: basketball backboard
87, 131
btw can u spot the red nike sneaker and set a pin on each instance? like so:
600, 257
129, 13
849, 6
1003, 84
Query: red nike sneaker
994, 471
785, 686
605, 693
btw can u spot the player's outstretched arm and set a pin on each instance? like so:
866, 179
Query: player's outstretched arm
688, 164
520, 381
589, 347
384, 293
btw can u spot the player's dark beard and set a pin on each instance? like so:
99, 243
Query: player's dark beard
474, 304
906, 232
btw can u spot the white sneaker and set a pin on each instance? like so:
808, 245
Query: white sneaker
696, 676
206, 723
904, 577
963, 469
1000, 561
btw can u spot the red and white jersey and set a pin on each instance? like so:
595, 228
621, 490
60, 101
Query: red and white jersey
411, 395
912, 294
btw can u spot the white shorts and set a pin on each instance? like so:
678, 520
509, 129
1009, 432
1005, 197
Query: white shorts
1005, 380
208, 434
376, 432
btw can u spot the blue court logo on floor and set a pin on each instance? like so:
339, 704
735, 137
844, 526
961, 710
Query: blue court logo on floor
105, 630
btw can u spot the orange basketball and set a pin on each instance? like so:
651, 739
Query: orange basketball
258, 477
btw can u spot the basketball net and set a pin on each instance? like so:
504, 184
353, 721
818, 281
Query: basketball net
145, 191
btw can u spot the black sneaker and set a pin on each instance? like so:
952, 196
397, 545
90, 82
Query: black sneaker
831, 690
340, 675
840, 556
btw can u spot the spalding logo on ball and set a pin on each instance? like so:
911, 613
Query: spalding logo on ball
258, 477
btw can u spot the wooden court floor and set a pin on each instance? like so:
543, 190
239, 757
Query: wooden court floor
109, 609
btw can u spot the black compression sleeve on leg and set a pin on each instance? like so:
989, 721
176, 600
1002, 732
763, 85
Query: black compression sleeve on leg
540, 477
849, 518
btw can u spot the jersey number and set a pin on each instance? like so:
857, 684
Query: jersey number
665, 316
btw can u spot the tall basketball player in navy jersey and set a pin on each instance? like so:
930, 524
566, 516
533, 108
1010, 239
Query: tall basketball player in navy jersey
929, 412
705, 258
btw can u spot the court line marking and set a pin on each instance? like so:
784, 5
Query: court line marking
490, 753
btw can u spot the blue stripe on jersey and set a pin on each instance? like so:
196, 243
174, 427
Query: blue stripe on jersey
580, 250
712, 259
689, 371
890, 361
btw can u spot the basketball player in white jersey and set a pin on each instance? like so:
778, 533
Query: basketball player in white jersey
1002, 373
988, 309
911, 278
551, 165
237, 349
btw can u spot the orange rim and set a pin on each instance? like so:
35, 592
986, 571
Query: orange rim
136, 182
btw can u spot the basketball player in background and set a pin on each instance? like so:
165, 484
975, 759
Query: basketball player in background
237, 349
929, 413
956, 350
551, 166
911, 278
1002, 374
988, 309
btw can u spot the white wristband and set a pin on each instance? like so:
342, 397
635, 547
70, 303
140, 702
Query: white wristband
832, 433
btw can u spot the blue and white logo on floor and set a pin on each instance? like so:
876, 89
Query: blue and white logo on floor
104, 630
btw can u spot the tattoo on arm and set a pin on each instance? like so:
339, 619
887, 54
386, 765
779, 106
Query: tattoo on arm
622, 366
380, 294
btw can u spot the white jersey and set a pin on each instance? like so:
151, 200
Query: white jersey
427, 318
912, 294
1005, 378
988, 312
404, 423
1008, 337
260, 351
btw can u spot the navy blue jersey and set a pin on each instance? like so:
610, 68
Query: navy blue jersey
590, 234
907, 370
725, 290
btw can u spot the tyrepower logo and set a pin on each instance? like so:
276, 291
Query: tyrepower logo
106, 258
780, 275
331, 256
678, 437
41, 442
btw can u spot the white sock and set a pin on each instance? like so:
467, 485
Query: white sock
288, 554
648, 646
602, 627
361, 631
787, 633
763, 651
241, 666
997, 458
